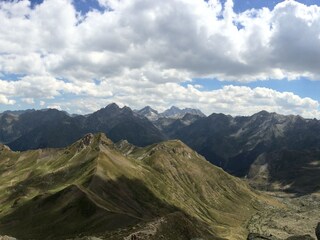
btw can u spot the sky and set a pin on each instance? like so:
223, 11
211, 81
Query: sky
236, 57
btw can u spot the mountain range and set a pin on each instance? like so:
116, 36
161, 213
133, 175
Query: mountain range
245, 146
119, 191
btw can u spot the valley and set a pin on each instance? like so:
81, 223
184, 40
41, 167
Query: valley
157, 187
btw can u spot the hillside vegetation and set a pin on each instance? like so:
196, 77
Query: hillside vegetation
118, 191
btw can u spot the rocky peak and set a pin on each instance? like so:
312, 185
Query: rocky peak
175, 112
4, 148
148, 109
149, 113
93, 140
112, 107
87, 139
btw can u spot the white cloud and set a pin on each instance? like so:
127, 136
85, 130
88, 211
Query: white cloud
5, 100
28, 100
195, 38
55, 107
234, 100
142, 50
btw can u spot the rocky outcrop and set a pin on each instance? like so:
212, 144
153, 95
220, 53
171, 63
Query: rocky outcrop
4, 148
7, 238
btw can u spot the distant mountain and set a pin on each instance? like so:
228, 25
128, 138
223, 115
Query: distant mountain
95, 188
234, 143
287, 170
54, 128
169, 126
149, 113
175, 112
171, 120
123, 123
171, 113
17, 112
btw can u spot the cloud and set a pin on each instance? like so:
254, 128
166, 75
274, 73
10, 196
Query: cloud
28, 100
195, 38
5, 100
139, 52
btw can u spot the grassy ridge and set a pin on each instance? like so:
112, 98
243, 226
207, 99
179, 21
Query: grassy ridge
98, 188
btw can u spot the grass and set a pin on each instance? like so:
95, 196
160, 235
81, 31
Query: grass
93, 188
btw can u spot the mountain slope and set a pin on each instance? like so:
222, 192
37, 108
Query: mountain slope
97, 188
170, 126
287, 170
234, 143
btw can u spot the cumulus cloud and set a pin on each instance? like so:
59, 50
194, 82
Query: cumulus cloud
5, 100
140, 51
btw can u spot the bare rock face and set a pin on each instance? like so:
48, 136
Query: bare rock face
86, 140
7, 238
4, 148
318, 231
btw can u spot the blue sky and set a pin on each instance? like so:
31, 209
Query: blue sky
161, 54
239, 5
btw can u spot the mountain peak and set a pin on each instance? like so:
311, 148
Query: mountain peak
262, 113
4, 148
112, 106
149, 113
92, 140
175, 112
174, 108
87, 139
148, 108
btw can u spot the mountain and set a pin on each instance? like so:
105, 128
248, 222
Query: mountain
169, 126
12, 126
53, 128
17, 112
118, 191
287, 170
237, 144
234, 143
171, 113
149, 113
176, 113
122, 123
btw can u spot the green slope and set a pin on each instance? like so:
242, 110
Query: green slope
115, 191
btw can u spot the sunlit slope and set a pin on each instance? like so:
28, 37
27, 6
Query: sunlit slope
97, 188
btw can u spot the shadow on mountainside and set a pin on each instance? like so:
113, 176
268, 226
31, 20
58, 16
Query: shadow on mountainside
291, 171
93, 209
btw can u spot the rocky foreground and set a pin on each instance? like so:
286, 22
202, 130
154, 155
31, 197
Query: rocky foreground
295, 218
